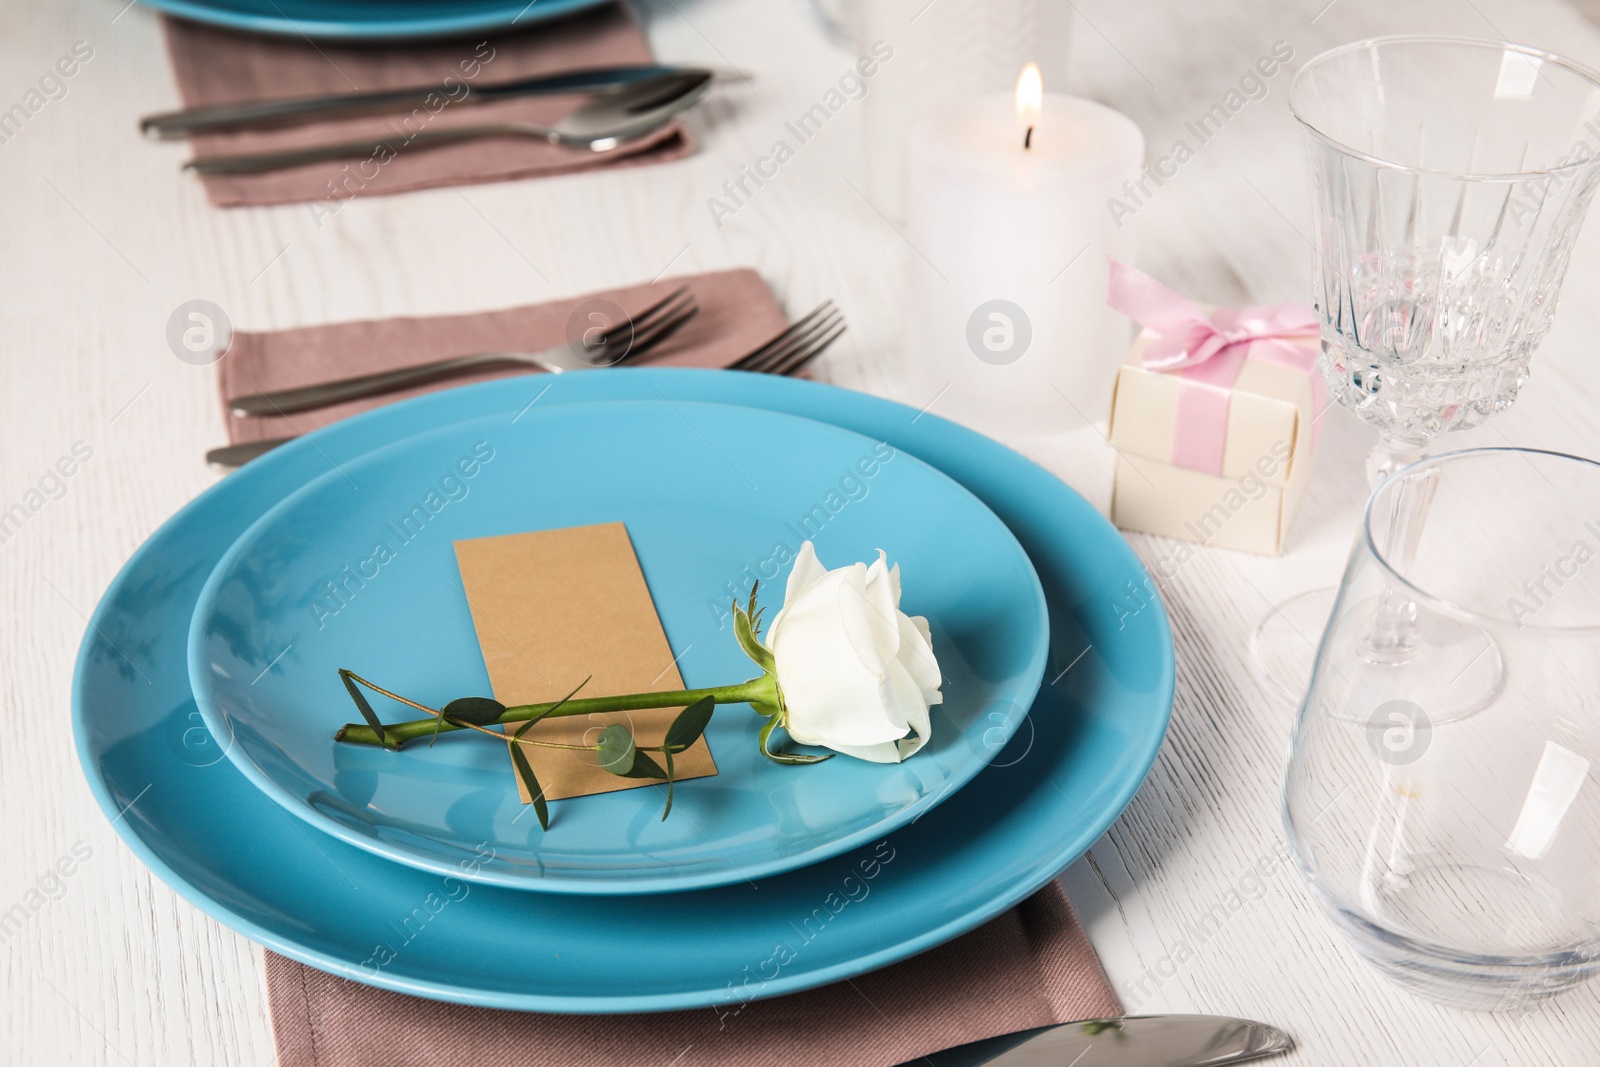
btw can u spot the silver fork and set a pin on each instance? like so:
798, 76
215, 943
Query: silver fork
787, 353
623, 342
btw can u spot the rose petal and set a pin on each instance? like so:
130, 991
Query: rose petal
887, 752
884, 597
805, 572
902, 697
921, 730
857, 674
831, 695
861, 626
916, 654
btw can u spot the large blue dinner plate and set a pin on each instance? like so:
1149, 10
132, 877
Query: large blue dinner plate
1058, 783
704, 490
370, 19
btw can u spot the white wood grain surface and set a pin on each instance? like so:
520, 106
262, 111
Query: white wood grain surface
101, 238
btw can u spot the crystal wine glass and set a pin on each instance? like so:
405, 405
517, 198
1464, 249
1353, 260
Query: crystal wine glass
1460, 851
1449, 179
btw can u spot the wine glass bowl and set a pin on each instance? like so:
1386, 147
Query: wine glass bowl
1449, 181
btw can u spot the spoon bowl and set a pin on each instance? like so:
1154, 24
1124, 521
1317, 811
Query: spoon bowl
627, 112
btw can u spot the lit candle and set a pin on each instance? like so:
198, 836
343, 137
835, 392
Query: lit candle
1030, 100
1010, 226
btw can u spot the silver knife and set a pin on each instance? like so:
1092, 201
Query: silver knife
1128, 1041
257, 113
230, 456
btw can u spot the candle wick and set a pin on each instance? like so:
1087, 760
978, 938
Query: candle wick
1027, 138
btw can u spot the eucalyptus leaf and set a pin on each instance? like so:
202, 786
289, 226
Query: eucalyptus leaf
616, 750
553, 708
690, 724
645, 767
531, 720
479, 711
671, 777
531, 783
361, 704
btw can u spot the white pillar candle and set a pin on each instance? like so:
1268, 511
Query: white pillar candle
1010, 231
944, 52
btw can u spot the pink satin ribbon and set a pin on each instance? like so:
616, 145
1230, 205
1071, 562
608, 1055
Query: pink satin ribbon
1208, 351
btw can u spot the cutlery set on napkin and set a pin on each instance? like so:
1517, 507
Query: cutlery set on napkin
279, 385
462, 512
274, 119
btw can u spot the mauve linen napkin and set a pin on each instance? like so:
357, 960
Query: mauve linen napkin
220, 66
1030, 967
737, 314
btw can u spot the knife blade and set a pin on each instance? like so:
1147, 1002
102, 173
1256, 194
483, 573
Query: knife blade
1128, 1041
258, 113
230, 456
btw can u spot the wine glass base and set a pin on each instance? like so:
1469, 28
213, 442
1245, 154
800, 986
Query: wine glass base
1456, 670
1284, 645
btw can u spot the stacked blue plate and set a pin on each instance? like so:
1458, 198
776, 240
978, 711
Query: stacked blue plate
372, 19
206, 695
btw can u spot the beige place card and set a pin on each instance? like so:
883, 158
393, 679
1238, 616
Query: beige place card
554, 607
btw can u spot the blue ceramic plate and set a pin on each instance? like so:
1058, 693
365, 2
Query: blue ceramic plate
189, 814
704, 490
370, 19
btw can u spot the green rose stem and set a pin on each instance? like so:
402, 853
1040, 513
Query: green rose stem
758, 690
617, 750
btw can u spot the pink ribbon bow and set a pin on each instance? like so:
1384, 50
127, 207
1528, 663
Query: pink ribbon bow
1208, 351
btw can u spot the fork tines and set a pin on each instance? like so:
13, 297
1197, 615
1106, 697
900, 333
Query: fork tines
652, 325
794, 348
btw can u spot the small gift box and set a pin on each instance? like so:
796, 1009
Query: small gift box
1213, 417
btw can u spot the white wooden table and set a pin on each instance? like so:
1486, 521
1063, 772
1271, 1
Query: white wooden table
101, 238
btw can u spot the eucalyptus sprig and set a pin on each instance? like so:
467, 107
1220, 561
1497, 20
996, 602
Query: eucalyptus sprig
617, 751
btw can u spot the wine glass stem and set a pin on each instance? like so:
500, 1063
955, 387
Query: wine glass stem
1389, 455
1394, 637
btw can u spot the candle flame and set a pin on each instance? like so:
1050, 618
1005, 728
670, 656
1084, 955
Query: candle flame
1030, 94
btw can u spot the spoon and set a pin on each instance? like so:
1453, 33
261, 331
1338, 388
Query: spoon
607, 121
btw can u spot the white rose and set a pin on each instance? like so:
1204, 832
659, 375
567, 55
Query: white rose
857, 674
